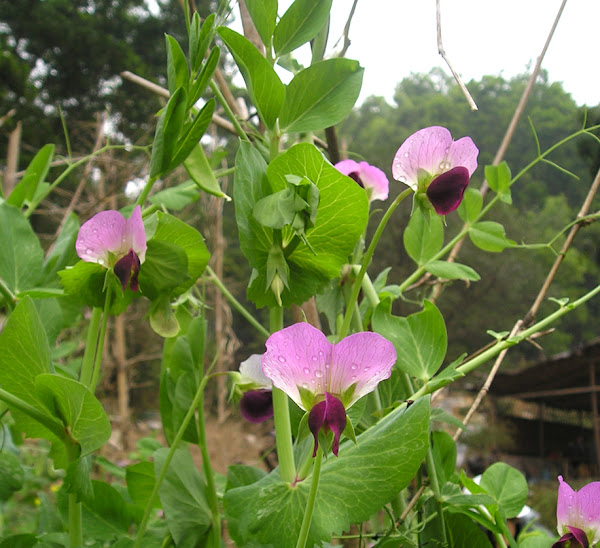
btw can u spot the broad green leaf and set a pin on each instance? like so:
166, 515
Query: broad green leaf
452, 271
24, 540
423, 238
167, 133
239, 475
192, 134
264, 17
508, 486
465, 533
340, 220
201, 173
162, 317
165, 268
448, 375
177, 68
471, 205
183, 498
176, 197
385, 459
420, 339
535, 539
490, 236
264, 86
299, 24
499, 179
140, 483
444, 455
77, 408
278, 209
12, 475
321, 95
21, 256
34, 175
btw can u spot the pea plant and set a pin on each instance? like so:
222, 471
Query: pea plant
362, 453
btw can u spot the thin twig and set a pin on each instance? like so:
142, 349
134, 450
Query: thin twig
442, 52
509, 133
162, 92
346, 35
412, 502
531, 314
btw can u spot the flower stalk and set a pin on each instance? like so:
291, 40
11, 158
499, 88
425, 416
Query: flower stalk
310, 503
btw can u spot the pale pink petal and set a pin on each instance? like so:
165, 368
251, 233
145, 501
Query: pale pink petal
364, 359
104, 233
347, 166
463, 153
297, 356
251, 371
588, 501
375, 180
424, 150
136, 234
565, 506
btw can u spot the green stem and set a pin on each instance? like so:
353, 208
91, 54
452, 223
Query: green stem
213, 501
145, 191
437, 493
75, 528
165, 467
367, 260
91, 343
281, 416
310, 503
274, 138
236, 304
222, 172
240, 131
100, 347
11, 299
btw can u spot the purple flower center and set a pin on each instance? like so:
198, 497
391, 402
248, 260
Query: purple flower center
257, 405
356, 176
328, 414
575, 538
127, 269
446, 191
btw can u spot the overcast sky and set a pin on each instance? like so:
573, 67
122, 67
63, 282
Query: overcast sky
394, 38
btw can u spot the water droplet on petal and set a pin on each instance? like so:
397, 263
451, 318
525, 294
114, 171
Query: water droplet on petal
406, 154
281, 359
353, 377
326, 366
320, 352
447, 150
304, 385
88, 250
367, 367
112, 225
318, 373
314, 358
95, 231
354, 367
443, 165
306, 370
297, 357
100, 261
402, 179
313, 381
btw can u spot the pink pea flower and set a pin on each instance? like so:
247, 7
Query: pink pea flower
114, 242
371, 178
578, 515
326, 379
431, 163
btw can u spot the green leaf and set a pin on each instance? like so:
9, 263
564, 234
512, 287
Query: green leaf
177, 68
24, 540
21, 256
264, 17
464, 533
201, 173
239, 475
63, 252
490, 236
535, 539
420, 339
444, 455
192, 134
264, 86
140, 483
77, 408
321, 95
471, 205
508, 486
34, 175
78, 481
165, 269
278, 209
448, 375
299, 24
200, 38
423, 238
167, 133
183, 498
176, 197
12, 475
499, 179
162, 317
198, 86
452, 271
384, 461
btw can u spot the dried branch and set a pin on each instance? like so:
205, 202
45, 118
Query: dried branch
442, 52
347, 40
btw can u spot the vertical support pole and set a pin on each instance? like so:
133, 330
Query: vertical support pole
541, 429
594, 397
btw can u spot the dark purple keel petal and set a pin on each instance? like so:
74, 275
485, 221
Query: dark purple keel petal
575, 538
446, 191
127, 269
257, 405
330, 415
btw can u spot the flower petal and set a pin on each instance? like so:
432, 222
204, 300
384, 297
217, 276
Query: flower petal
427, 150
127, 269
588, 502
565, 506
257, 405
297, 356
375, 181
575, 538
251, 371
104, 233
136, 233
363, 359
347, 167
446, 191
463, 153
